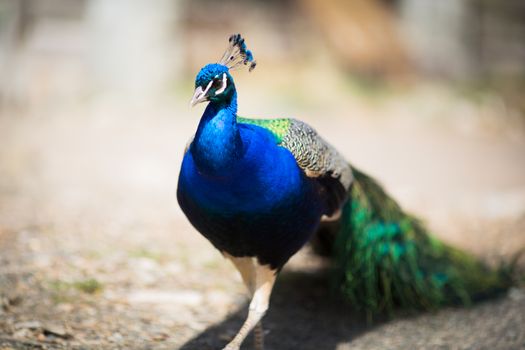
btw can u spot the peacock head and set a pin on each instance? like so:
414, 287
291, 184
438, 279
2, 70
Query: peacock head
214, 82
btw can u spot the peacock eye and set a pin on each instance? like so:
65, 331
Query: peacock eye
217, 83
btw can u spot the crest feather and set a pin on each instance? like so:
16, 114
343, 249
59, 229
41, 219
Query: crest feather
237, 54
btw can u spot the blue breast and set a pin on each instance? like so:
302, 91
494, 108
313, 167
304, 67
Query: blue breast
260, 205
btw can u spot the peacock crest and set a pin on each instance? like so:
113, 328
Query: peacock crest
237, 54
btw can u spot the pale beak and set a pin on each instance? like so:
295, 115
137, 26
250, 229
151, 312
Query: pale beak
198, 97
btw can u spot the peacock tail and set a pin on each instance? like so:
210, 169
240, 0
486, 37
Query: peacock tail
386, 258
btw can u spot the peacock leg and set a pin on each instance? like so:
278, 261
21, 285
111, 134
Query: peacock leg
246, 267
259, 279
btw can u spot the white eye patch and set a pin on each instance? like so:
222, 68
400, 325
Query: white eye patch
223, 86
207, 88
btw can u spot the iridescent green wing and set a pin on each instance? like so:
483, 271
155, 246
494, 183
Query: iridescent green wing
278, 127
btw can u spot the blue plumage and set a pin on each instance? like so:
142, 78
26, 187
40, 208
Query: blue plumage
241, 190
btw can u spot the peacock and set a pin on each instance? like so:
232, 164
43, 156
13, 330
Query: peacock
260, 189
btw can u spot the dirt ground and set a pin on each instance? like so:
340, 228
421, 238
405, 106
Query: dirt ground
95, 254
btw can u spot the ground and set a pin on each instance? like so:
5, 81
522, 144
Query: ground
95, 254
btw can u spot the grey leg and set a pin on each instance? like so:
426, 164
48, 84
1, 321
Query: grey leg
260, 280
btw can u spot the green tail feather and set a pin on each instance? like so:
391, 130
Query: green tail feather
386, 258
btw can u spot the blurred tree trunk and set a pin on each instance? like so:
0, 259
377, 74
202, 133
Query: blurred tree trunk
363, 34
15, 20
466, 39
440, 35
134, 51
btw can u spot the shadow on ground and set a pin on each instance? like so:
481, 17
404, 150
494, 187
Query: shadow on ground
304, 314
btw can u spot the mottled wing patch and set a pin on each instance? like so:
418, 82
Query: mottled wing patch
314, 155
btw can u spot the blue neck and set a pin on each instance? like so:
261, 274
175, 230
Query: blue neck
217, 143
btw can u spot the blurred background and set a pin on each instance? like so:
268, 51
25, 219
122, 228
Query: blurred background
427, 96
